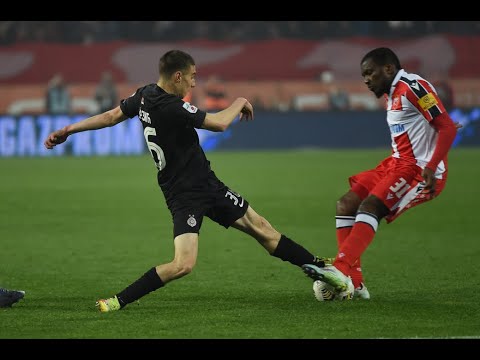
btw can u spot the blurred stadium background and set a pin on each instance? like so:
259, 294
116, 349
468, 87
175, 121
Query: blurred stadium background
302, 70
84, 220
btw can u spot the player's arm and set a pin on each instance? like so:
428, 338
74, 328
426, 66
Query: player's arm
447, 130
221, 120
100, 121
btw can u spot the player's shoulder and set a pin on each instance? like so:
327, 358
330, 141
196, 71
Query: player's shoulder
150, 89
153, 95
412, 82
410, 78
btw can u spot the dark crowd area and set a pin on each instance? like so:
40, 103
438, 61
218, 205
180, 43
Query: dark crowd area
85, 32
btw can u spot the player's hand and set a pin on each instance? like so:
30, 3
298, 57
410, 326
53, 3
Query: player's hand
55, 138
246, 112
429, 177
458, 125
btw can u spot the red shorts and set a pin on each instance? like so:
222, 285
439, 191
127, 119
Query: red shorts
398, 185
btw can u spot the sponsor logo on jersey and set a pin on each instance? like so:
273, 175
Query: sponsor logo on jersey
427, 101
397, 128
190, 108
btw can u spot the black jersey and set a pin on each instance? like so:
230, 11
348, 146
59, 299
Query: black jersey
169, 127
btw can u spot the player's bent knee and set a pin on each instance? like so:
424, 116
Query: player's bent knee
183, 268
374, 205
348, 204
345, 208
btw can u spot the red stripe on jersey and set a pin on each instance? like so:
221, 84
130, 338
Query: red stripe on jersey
400, 90
404, 147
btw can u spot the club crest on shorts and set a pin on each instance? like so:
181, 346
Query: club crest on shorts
191, 221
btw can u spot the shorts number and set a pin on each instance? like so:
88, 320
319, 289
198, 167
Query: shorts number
400, 187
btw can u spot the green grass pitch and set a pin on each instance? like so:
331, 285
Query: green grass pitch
73, 230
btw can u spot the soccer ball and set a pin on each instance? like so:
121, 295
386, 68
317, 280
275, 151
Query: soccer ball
325, 292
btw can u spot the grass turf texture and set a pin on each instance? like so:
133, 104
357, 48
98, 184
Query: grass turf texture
73, 230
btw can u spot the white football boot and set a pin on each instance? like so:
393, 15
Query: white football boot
361, 292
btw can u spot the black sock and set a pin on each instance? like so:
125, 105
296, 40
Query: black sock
289, 250
150, 281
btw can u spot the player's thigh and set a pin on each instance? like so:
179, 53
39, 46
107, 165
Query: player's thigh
363, 182
186, 248
249, 223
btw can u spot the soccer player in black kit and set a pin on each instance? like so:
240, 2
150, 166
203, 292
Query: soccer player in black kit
190, 186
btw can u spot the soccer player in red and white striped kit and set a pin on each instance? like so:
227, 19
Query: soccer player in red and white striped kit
422, 133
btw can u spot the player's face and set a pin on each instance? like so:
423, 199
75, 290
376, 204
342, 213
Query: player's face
375, 77
187, 81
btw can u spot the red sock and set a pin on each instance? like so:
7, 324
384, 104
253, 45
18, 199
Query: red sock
344, 226
356, 274
353, 246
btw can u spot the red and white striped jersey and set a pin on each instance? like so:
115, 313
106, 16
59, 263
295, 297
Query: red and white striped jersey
411, 105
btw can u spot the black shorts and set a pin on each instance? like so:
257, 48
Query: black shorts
216, 201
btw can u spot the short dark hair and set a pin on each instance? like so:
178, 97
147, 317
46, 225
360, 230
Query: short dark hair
174, 60
383, 56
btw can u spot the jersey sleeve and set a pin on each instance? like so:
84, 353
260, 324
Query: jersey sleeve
422, 95
187, 114
130, 105
447, 131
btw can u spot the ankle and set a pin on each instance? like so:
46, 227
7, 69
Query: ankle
342, 266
